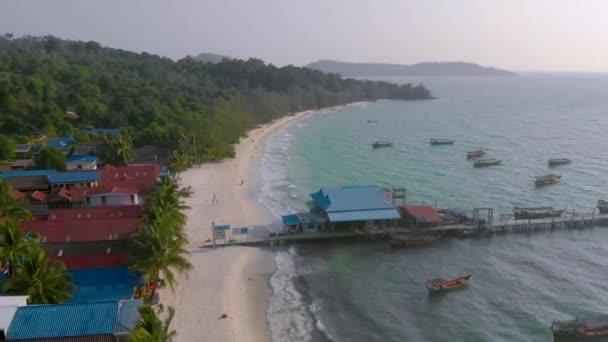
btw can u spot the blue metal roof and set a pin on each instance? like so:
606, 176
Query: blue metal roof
104, 131
364, 215
291, 220
353, 198
68, 320
74, 177
82, 157
27, 173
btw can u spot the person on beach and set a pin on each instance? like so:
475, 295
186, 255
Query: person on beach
213, 200
242, 182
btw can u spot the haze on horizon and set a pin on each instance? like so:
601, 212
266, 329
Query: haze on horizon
520, 35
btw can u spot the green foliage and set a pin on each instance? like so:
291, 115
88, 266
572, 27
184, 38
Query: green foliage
50, 158
117, 149
12, 245
11, 207
151, 329
7, 147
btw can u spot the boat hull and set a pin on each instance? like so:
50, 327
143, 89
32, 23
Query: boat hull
479, 164
448, 285
553, 163
537, 216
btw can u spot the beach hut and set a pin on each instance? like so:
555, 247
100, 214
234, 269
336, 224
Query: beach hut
420, 215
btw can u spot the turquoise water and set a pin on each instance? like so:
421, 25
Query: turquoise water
365, 292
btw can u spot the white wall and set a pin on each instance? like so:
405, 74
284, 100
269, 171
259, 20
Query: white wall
80, 165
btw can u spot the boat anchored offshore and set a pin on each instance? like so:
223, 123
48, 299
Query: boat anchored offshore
581, 329
602, 206
383, 143
547, 180
486, 162
441, 141
439, 285
559, 161
533, 213
475, 154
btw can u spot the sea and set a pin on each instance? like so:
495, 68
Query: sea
521, 282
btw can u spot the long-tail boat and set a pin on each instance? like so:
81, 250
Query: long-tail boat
559, 161
547, 180
383, 143
486, 162
533, 213
441, 141
581, 329
439, 285
475, 154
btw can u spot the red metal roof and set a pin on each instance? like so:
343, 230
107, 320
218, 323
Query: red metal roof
17, 194
140, 177
40, 196
82, 230
75, 262
96, 213
423, 213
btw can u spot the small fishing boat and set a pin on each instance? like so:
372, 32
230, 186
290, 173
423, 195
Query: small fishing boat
384, 143
602, 206
486, 162
547, 180
533, 213
372, 121
559, 161
581, 329
397, 242
441, 141
439, 285
475, 154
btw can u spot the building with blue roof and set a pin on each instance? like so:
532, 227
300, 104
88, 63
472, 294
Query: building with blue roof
61, 142
28, 180
106, 321
104, 131
81, 162
71, 180
352, 206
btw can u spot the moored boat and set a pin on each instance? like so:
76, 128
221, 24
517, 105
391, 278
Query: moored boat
475, 154
602, 206
533, 213
383, 143
547, 180
441, 141
439, 285
486, 162
581, 328
559, 161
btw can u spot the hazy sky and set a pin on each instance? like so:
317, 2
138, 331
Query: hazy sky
521, 35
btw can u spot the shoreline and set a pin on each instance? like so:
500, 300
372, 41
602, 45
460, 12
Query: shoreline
231, 280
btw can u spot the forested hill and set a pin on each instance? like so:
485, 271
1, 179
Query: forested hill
419, 69
163, 101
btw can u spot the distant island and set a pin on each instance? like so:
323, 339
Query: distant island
211, 58
418, 69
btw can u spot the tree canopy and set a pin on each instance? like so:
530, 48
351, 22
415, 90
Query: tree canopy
50, 158
54, 87
7, 147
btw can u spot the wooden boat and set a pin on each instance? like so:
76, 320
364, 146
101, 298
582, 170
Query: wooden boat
439, 285
486, 162
398, 242
533, 213
441, 141
602, 206
372, 121
581, 329
475, 154
384, 143
559, 161
547, 180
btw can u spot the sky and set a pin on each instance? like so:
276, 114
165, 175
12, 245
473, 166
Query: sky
520, 35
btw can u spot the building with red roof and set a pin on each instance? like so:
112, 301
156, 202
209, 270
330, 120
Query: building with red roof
421, 215
53, 231
140, 177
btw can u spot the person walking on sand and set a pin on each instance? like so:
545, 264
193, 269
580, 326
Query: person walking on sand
214, 200
242, 182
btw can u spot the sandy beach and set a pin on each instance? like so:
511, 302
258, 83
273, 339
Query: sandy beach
226, 280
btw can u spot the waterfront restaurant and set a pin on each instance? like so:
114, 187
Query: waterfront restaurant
352, 207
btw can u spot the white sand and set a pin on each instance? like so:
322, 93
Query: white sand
232, 280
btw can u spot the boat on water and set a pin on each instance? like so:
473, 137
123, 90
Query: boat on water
441, 141
486, 162
533, 213
397, 242
581, 329
372, 121
439, 285
602, 206
475, 154
559, 161
383, 143
547, 180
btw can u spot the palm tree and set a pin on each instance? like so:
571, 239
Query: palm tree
11, 207
41, 281
117, 149
157, 250
13, 245
151, 329
167, 200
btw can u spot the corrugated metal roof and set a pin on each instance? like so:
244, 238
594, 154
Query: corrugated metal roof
74, 177
7, 312
423, 213
82, 230
81, 157
96, 213
364, 215
69, 320
23, 148
354, 198
27, 173
22, 163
